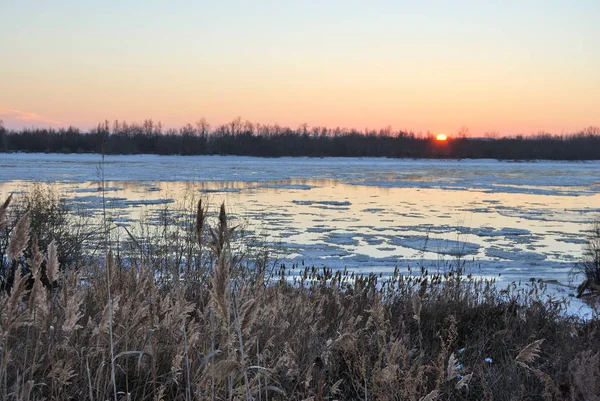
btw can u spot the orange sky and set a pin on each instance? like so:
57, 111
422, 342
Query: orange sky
504, 67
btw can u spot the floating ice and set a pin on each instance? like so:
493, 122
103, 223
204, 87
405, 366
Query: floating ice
436, 245
513, 254
324, 203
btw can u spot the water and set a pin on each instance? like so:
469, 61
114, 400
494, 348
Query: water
521, 220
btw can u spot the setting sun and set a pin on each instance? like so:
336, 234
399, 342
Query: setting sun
441, 137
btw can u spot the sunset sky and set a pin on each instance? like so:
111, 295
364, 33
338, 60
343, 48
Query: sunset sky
504, 66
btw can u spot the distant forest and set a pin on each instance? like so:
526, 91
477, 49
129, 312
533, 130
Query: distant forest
248, 139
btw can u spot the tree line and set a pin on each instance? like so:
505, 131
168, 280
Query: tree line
249, 139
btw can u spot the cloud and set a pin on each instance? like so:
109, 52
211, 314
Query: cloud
25, 116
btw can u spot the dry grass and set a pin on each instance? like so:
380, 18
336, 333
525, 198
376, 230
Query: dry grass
221, 331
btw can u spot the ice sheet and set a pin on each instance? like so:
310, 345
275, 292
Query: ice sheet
517, 219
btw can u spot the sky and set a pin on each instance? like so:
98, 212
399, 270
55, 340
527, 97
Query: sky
492, 66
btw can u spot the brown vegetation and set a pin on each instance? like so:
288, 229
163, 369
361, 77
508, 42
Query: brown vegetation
226, 329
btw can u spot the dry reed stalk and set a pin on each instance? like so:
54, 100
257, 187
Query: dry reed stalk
19, 238
37, 259
212, 350
200, 220
219, 292
3, 212
52, 265
220, 280
238, 327
219, 235
110, 306
36, 303
416, 304
12, 316
201, 213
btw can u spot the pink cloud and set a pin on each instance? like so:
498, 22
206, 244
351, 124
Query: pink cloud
24, 116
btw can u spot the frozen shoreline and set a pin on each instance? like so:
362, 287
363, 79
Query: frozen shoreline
520, 219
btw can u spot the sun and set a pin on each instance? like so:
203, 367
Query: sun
441, 137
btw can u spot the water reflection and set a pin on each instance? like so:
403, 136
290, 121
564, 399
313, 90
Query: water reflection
325, 221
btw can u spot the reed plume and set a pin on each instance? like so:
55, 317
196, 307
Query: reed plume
464, 382
220, 233
453, 369
529, 353
219, 292
19, 238
52, 264
37, 259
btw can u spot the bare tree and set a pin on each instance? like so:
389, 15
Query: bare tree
463, 132
202, 127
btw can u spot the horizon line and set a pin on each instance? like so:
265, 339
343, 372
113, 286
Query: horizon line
248, 125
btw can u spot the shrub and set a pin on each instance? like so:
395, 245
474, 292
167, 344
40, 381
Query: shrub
50, 220
591, 263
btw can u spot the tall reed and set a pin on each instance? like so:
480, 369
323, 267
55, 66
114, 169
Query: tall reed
308, 333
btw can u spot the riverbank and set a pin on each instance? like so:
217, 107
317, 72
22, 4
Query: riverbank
225, 325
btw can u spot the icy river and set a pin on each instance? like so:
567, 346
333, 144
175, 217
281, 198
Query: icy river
521, 220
